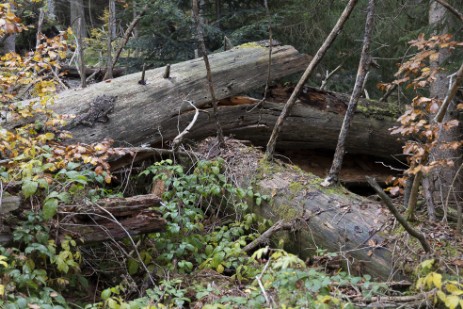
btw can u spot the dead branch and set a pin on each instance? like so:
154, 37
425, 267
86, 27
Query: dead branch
396, 301
308, 72
451, 9
450, 95
281, 225
362, 73
202, 46
328, 76
179, 138
127, 33
402, 221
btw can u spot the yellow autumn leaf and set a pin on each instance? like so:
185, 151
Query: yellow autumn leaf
2, 290
452, 288
86, 158
452, 301
107, 179
437, 280
2, 262
442, 296
419, 283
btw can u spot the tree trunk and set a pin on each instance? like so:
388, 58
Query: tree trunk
51, 10
441, 178
328, 219
77, 11
140, 111
154, 113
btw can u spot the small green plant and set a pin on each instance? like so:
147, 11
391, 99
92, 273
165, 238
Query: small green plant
37, 268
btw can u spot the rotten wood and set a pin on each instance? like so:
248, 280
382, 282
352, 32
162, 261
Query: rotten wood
108, 219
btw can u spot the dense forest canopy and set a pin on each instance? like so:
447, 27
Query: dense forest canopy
216, 223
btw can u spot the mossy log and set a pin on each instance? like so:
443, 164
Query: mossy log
332, 219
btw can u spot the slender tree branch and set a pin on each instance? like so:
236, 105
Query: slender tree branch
308, 72
202, 46
127, 33
179, 138
451, 94
328, 76
451, 9
402, 221
362, 72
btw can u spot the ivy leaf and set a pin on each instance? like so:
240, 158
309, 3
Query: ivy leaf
29, 187
49, 208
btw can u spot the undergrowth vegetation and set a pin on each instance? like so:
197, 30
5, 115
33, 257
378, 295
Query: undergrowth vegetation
199, 259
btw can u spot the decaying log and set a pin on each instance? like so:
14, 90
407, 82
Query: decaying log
337, 220
111, 218
314, 123
151, 113
140, 110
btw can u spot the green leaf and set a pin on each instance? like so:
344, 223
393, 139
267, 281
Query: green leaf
106, 294
72, 165
132, 266
209, 249
29, 187
49, 208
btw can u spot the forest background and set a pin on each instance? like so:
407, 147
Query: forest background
37, 271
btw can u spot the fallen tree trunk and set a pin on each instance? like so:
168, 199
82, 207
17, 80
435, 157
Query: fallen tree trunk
139, 109
152, 114
109, 219
314, 123
332, 219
